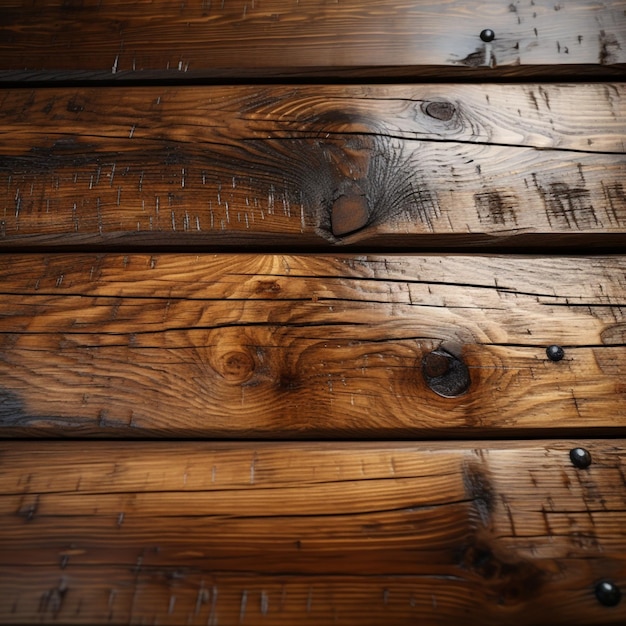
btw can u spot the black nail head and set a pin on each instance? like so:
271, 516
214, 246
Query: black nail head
608, 594
555, 353
487, 35
580, 457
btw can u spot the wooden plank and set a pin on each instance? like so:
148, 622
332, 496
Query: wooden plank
397, 165
304, 346
206, 533
115, 39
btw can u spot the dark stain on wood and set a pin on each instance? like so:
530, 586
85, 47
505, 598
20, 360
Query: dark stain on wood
445, 374
616, 200
510, 580
567, 206
609, 48
494, 207
12, 412
474, 59
480, 490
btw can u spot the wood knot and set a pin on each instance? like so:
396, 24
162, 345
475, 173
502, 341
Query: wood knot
445, 374
443, 111
349, 213
236, 366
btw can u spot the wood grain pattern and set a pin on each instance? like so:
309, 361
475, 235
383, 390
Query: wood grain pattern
430, 165
116, 39
305, 346
205, 533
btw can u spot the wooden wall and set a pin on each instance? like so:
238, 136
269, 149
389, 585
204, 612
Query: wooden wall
312, 312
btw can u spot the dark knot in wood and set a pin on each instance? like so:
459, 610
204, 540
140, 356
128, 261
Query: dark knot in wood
445, 374
443, 111
350, 213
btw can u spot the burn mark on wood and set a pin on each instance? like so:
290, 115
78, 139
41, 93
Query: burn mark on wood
609, 48
445, 374
509, 579
479, 489
390, 188
567, 206
616, 200
474, 59
494, 207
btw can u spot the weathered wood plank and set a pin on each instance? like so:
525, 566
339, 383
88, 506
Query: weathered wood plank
197, 533
427, 165
115, 39
306, 346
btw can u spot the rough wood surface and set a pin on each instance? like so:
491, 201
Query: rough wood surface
117, 39
193, 533
428, 165
306, 346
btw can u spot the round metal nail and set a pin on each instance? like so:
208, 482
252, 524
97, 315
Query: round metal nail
555, 353
608, 593
487, 35
580, 457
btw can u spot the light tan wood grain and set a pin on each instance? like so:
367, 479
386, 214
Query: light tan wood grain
307, 346
429, 165
112, 39
354, 533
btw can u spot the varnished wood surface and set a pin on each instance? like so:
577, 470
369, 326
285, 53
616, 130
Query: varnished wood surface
432, 166
309, 346
206, 533
116, 39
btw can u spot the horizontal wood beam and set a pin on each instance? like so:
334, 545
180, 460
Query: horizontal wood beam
197, 533
433, 166
305, 346
115, 39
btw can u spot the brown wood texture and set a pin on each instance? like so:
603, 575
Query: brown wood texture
433, 166
307, 346
203, 533
117, 39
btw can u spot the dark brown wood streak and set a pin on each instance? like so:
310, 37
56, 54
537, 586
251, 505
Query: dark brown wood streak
170, 39
434, 166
